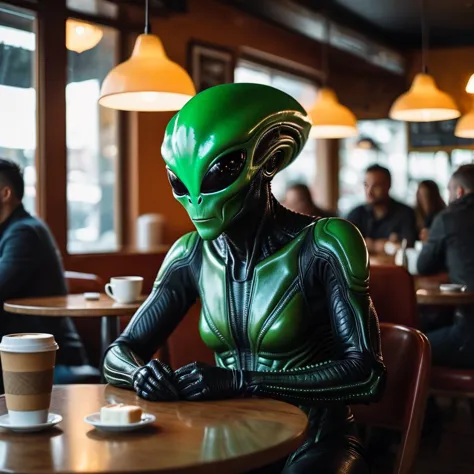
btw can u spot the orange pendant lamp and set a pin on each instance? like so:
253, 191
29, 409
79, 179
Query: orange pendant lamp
330, 119
470, 85
149, 81
424, 102
81, 36
465, 126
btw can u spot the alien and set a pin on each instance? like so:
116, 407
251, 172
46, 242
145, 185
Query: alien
285, 300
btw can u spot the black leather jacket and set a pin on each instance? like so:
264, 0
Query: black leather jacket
450, 243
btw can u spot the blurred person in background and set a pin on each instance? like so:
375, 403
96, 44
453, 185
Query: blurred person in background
382, 219
428, 204
298, 199
30, 266
450, 248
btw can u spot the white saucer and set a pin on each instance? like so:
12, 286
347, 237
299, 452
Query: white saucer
452, 287
94, 420
53, 419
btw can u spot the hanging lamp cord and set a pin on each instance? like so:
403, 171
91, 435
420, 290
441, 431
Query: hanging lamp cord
424, 38
147, 19
325, 50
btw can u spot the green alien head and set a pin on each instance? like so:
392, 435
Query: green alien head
221, 140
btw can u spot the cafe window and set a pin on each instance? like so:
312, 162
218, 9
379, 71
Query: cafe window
303, 169
18, 95
92, 148
102, 8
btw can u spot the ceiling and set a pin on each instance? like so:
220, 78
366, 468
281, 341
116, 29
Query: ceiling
397, 22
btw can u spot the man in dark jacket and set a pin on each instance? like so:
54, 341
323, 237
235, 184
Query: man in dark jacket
450, 247
30, 266
382, 218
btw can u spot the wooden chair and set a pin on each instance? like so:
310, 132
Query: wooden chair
393, 293
407, 357
79, 282
456, 384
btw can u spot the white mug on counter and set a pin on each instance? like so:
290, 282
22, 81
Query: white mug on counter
126, 289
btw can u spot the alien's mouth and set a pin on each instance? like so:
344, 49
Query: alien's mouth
203, 220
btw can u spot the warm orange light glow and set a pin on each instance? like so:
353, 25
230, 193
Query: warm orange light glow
331, 119
148, 81
81, 36
424, 102
465, 125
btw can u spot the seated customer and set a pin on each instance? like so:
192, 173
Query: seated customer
298, 199
30, 266
428, 204
382, 218
450, 248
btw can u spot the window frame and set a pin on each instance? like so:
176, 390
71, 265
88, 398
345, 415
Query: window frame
51, 151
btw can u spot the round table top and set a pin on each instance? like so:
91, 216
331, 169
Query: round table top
72, 306
231, 436
437, 297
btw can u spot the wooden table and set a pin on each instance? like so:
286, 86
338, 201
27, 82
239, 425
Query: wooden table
229, 436
76, 306
436, 297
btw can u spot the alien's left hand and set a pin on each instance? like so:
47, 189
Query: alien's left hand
199, 381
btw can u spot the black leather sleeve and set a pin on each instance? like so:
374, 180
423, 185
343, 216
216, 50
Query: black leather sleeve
174, 292
357, 373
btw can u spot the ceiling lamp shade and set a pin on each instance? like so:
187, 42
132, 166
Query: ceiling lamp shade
465, 125
424, 102
149, 81
81, 36
470, 85
331, 119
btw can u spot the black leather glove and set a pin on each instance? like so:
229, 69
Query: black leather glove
198, 381
155, 382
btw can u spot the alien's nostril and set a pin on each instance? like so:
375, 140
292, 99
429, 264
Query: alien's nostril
199, 200
189, 200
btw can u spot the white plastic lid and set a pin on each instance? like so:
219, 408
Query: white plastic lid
28, 342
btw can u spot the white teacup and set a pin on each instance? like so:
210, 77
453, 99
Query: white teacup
125, 289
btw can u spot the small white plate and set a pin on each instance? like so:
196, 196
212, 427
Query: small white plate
53, 419
94, 420
452, 287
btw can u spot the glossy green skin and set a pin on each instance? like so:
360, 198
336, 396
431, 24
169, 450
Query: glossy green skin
220, 120
280, 332
285, 300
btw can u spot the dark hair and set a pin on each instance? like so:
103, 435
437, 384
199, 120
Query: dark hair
435, 202
11, 175
464, 176
380, 169
303, 189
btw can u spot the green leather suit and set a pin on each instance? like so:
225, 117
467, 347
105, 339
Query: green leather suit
285, 302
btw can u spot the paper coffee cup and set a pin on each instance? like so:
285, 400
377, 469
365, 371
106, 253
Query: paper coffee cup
28, 368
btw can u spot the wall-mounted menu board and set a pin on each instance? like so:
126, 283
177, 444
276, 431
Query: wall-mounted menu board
436, 135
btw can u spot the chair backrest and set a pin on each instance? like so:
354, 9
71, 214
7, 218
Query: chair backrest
407, 356
392, 290
87, 328
78, 282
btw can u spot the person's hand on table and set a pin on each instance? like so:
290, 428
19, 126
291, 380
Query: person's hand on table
155, 381
376, 246
199, 381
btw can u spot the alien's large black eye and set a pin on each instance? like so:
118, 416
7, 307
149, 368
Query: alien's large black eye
223, 172
178, 187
